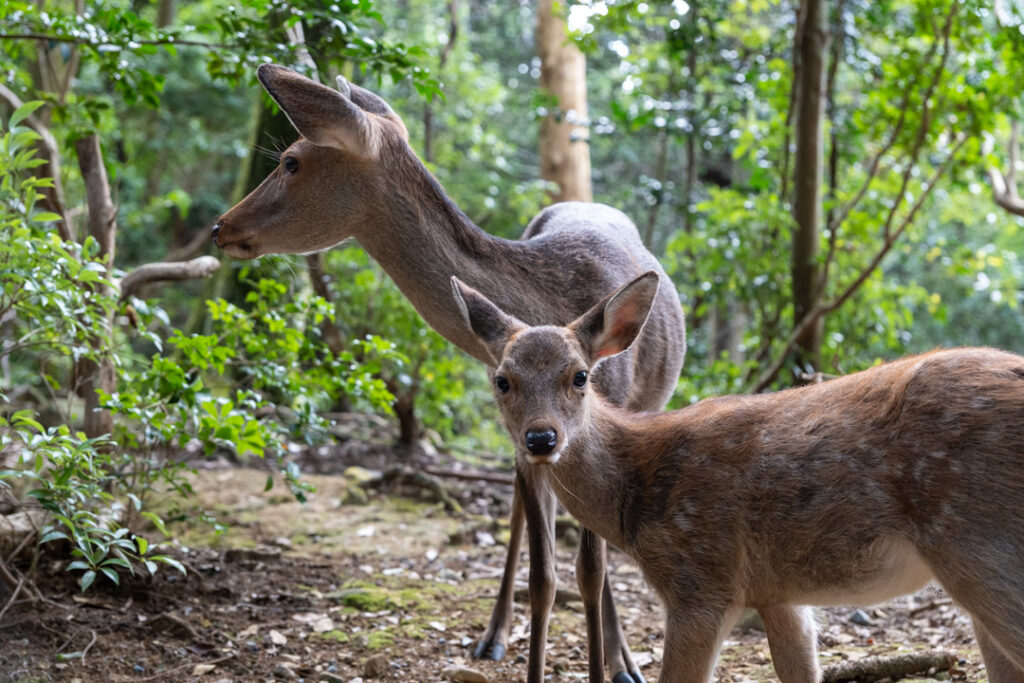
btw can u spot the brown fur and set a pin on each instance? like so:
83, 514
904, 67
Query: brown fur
857, 489
358, 177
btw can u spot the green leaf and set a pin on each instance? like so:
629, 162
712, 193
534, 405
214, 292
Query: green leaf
24, 111
53, 536
87, 579
112, 575
169, 561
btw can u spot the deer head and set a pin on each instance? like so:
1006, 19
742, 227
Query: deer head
328, 182
541, 380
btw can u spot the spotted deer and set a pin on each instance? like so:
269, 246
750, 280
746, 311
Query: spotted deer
851, 491
352, 173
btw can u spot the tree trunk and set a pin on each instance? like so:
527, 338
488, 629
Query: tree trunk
564, 150
93, 375
811, 46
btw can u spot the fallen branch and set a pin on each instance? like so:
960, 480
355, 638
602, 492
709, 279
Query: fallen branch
402, 476
14, 597
493, 477
162, 271
889, 666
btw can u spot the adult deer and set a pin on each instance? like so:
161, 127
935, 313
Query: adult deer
855, 490
353, 174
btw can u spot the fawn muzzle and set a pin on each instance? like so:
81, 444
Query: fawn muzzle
541, 441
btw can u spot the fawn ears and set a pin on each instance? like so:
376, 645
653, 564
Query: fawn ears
611, 326
491, 325
323, 116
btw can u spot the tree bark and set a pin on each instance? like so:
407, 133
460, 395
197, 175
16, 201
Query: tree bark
96, 374
564, 148
811, 48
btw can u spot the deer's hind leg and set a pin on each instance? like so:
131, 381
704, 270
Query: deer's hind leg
986, 576
998, 666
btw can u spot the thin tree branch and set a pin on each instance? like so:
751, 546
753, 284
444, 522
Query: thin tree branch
769, 375
133, 282
170, 40
52, 152
1004, 185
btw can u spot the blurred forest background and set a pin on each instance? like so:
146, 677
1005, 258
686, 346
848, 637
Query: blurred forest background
828, 183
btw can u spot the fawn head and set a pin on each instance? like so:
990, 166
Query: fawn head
542, 374
327, 182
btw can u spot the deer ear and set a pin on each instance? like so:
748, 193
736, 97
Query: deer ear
491, 325
323, 116
612, 325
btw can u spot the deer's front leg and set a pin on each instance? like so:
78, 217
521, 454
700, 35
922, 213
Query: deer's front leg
539, 508
793, 642
693, 636
590, 576
495, 639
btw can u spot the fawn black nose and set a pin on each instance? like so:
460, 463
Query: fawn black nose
213, 233
541, 441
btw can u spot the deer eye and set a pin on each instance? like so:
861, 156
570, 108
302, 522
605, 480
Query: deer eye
291, 164
580, 378
502, 384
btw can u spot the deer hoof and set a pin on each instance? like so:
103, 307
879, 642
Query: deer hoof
497, 651
631, 677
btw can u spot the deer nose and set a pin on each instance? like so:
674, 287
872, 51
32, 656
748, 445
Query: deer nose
541, 441
213, 233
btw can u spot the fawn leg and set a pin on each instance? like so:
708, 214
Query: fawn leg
616, 652
495, 639
793, 642
997, 665
539, 507
590, 576
693, 636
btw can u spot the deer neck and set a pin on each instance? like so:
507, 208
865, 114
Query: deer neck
421, 238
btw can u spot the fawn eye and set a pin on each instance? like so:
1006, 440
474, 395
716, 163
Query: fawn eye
580, 378
502, 384
291, 164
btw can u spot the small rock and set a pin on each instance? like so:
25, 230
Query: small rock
462, 674
520, 659
283, 672
250, 556
859, 617
331, 678
560, 666
200, 669
375, 666
276, 638
354, 496
361, 476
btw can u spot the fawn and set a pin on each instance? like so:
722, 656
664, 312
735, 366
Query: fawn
851, 491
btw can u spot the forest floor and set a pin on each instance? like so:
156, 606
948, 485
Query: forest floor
385, 587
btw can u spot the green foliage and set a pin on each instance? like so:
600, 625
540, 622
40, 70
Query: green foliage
447, 387
49, 295
76, 481
261, 378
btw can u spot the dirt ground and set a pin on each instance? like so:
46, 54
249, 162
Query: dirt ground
389, 587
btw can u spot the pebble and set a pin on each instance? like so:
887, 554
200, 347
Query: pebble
375, 666
859, 617
462, 674
331, 678
283, 672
